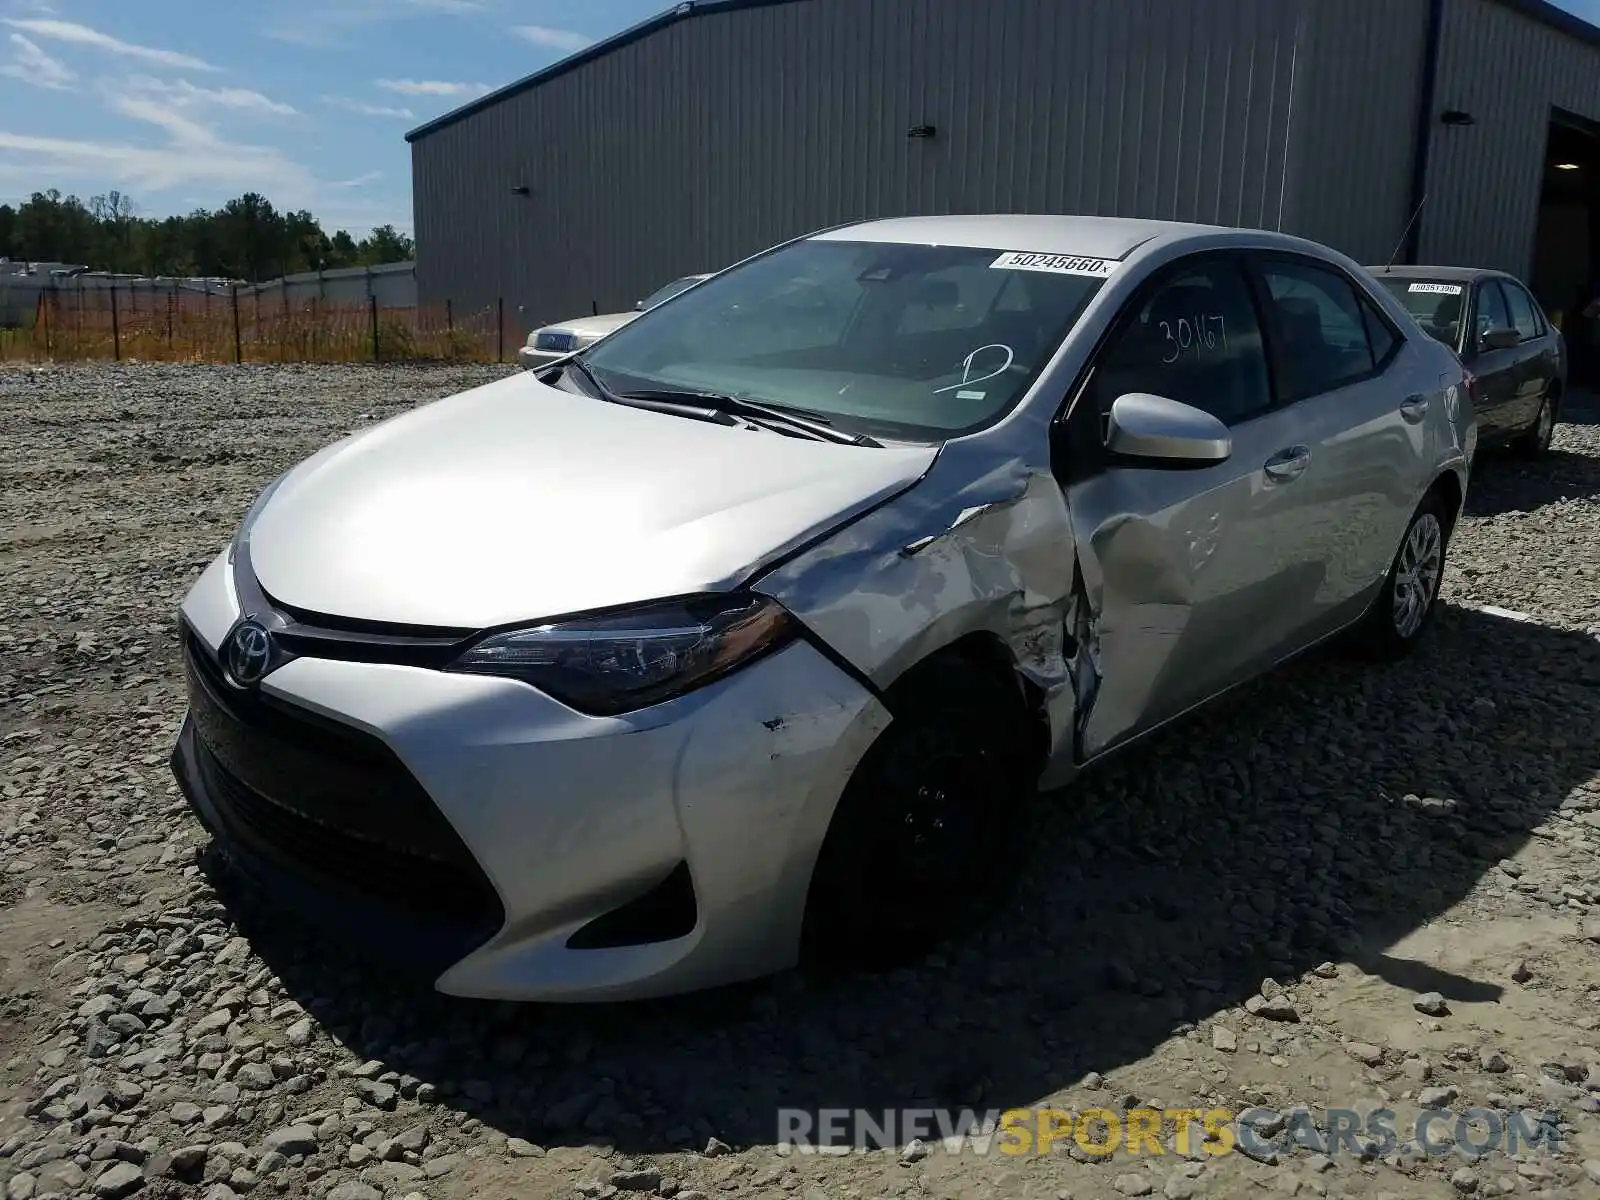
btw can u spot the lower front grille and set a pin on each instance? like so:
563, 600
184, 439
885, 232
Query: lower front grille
329, 801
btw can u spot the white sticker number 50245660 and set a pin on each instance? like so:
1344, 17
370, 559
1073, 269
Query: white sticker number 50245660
1056, 264
1206, 332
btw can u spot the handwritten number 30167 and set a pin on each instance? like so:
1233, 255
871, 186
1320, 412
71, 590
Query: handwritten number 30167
1203, 333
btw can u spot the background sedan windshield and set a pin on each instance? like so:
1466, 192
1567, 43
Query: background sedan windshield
921, 340
1437, 304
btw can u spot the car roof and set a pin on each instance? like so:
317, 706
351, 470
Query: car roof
1094, 237
1455, 274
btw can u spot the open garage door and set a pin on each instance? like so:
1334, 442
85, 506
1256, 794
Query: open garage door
1566, 260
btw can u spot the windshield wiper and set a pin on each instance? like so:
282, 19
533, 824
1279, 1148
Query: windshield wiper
812, 424
666, 403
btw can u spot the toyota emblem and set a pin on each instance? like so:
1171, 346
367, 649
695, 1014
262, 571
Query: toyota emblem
249, 653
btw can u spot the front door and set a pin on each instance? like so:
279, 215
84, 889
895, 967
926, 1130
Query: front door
1190, 575
1498, 372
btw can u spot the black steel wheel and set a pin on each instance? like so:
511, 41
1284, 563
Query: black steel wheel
930, 832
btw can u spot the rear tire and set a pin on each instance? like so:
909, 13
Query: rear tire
931, 830
1535, 440
1404, 608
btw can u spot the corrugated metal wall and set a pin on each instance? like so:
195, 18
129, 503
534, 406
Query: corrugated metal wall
1484, 180
721, 134
718, 135
1355, 124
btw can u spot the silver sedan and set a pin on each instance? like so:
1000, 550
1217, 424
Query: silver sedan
753, 630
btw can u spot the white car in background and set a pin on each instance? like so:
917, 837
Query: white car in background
551, 342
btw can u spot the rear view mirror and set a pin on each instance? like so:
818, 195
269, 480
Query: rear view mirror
1500, 339
1156, 428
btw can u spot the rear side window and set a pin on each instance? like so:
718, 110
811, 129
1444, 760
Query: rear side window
1325, 331
1193, 338
1523, 317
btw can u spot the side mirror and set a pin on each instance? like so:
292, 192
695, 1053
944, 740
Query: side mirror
1163, 430
1500, 339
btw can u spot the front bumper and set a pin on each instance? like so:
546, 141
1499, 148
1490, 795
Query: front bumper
564, 817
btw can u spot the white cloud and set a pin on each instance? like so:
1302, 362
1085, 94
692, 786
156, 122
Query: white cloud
82, 35
359, 180
566, 40
334, 23
183, 94
433, 87
32, 65
153, 111
369, 110
179, 164
191, 152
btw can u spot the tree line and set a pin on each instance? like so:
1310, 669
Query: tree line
244, 239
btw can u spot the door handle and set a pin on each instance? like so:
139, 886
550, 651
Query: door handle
1288, 464
1414, 408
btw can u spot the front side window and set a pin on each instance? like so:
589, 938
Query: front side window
1322, 332
1523, 319
1438, 305
914, 341
1194, 338
1492, 310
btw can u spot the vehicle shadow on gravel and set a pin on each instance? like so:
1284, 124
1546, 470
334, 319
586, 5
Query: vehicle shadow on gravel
1503, 483
1318, 815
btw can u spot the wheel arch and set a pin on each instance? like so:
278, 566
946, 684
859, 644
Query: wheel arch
986, 652
1450, 491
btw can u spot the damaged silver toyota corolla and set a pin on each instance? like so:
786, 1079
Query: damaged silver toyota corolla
753, 627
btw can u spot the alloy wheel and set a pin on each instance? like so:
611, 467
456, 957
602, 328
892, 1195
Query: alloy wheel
1417, 573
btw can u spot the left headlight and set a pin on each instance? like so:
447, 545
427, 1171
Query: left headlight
615, 662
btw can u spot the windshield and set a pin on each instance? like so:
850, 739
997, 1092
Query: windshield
1437, 305
668, 292
912, 341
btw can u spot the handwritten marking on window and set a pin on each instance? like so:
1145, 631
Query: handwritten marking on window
1436, 289
1204, 333
966, 368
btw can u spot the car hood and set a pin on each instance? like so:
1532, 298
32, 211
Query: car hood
518, 501
590, 327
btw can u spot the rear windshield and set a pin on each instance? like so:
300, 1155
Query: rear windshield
1438, 305
912, 341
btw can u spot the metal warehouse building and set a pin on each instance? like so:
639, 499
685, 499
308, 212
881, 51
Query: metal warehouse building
724, 126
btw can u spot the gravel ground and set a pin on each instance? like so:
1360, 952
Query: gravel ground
1346, 887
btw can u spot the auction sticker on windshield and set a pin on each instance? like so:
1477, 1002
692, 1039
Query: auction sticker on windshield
1436, 289
1059, 264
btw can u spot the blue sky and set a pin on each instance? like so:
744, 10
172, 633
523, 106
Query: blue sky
186, 103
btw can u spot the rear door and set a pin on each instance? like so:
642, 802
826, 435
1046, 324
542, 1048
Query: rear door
1498, 372
1540, 358
1197, 576
1359, 395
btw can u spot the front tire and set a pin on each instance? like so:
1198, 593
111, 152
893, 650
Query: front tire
1404, 608
1535, 440
931, 830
